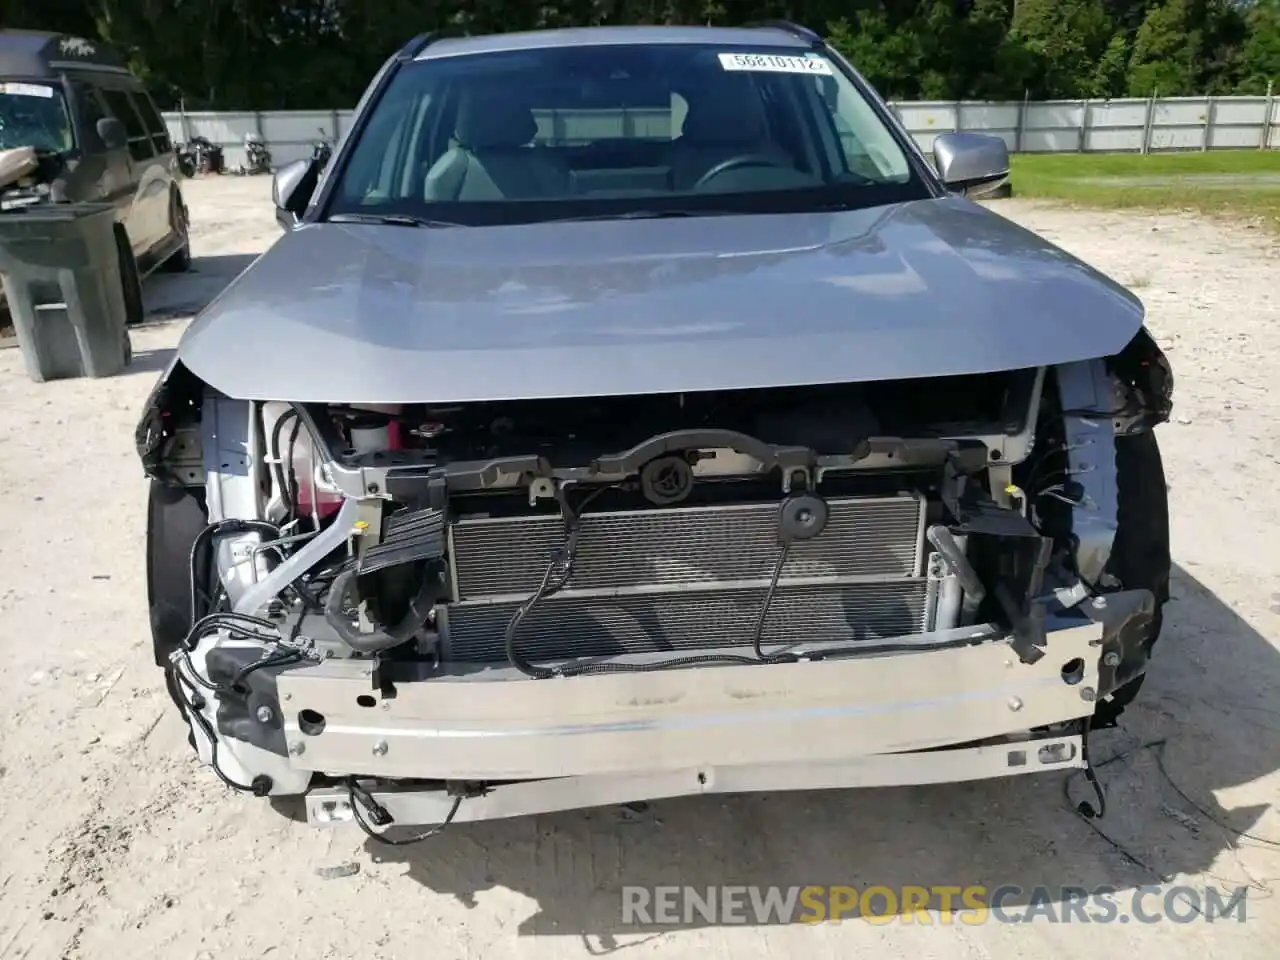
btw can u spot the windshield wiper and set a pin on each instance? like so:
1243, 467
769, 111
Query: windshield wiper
646, 215
390, 220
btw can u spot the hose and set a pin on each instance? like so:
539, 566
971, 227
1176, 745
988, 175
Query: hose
382, 637
277, 463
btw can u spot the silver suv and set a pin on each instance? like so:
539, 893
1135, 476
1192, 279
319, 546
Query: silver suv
628, 413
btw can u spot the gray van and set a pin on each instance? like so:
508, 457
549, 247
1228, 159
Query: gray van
97, 136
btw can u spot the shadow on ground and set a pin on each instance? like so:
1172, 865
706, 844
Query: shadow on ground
150, 361
1209, 699
169, 295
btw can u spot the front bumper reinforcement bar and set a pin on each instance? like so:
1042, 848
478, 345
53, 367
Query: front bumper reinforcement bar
473, 727
327, 806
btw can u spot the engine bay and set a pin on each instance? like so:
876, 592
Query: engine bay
525, 541
831, 419
554, 536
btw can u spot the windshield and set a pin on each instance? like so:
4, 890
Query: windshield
661, 129
34, 115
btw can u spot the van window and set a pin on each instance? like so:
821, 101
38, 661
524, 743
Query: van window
34, 115
91, 109
121, 106
153, 121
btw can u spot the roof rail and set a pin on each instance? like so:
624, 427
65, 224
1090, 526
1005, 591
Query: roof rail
786, 26
423, 40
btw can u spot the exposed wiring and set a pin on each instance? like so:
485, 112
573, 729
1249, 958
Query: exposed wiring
1039, 461
1157, 746
757, 635
192, 705
555, 578
180, 672
281, 657
1059, 492
1084, 808
1041, 468
246, 627
290, 492
358, 796
202, 540
278, 659
1159, 752
277, 462
194, 674
252, 628
558, 573
1090, 413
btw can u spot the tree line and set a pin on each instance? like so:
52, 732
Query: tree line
320, 54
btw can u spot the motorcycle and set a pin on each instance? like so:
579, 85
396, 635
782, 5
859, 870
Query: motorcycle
205, 156
257, 156
321, 151
185, 158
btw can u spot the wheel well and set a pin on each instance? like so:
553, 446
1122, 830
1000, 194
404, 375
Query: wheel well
175, 516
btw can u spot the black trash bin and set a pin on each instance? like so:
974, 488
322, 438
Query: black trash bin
61, 269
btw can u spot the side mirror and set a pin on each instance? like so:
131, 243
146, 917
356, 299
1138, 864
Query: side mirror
112, 133
971, 163
291, 188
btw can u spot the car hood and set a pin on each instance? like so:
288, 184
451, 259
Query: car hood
356, 313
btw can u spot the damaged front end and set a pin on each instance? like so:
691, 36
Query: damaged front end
408, 612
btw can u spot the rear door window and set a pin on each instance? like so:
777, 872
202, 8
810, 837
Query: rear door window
153, 121
122, 108
91, 109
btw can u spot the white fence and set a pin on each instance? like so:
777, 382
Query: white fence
1052, 126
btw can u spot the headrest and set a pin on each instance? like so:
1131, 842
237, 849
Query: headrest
497, 120
725, 112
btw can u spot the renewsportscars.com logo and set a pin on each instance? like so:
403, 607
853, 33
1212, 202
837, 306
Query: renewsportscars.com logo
938, 904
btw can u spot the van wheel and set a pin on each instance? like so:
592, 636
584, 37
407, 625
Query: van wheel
180, 261
130, 283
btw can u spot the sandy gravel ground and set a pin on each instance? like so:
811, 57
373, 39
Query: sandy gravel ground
113, 842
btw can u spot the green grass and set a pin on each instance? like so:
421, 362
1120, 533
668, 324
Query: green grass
1233, 183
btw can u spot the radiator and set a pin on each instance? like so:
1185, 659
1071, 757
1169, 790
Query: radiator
686, 578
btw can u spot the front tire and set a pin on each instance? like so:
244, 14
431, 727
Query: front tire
175, 517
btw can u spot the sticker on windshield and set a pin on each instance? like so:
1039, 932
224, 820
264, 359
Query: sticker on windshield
27, 90
775, 63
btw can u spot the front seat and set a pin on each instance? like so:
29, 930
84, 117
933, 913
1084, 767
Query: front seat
724, 119
490, 157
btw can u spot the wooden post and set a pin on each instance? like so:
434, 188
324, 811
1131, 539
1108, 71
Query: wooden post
1207, 133
1022, 122
1146, 127
1084, 126
1264, 142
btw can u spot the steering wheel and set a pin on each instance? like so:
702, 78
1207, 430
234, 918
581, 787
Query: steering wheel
733, 163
